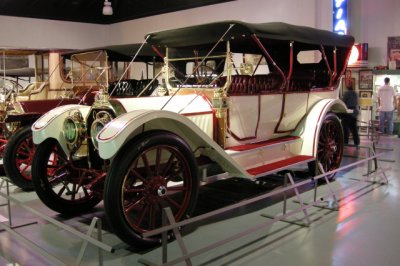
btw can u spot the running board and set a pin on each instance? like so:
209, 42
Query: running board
279, 165
252, 147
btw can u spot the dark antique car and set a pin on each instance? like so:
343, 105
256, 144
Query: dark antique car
88, 71
242, 100
21, 105
16, 79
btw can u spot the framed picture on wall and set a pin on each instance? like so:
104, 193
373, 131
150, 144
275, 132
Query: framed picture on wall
365, 94
393, 52
365, 80
365, 99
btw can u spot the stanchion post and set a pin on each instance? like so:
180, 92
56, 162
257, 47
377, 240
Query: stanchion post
315, 189
100, 238
284, 194
164, 238
331, 191
369, 161
299, 198
8, 204
177, 234
84, 244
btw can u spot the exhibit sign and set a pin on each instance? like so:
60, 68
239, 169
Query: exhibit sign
340, 17
393, 52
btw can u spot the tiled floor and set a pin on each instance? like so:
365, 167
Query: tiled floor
364, 231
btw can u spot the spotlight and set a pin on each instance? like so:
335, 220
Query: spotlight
107, 8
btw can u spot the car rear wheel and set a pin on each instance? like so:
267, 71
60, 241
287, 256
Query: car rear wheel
150, 173
61, 185
330, 146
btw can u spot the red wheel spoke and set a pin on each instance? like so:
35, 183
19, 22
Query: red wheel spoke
28, 177
27, 154
23, 161
61, 191
169, 164
152, 216
143, 214
139, 189
158, 159
73, 191
26, 167
27, 146
131, 206
146, 164
139, 176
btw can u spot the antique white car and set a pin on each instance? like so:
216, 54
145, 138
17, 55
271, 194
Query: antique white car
243, 100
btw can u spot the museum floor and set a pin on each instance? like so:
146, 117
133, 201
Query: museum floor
364, 231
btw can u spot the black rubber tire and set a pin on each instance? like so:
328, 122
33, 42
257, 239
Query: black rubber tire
329, 155
12, 153
59, 202
117, 177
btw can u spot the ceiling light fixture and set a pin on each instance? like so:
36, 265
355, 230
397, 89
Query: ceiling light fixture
107, 8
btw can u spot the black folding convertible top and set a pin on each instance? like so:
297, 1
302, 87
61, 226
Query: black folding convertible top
122, 53
212, 32
19, 72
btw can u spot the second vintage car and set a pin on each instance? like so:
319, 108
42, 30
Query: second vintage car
75, 78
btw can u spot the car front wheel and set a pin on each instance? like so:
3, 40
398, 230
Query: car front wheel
152, 172
59, 183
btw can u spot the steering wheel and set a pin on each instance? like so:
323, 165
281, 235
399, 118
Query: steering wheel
203, 74
7, 87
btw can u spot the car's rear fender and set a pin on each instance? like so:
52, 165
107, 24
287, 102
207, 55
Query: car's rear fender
119, 131
50, 124
310, 126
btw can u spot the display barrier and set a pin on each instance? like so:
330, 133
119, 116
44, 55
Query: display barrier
171, 224
86, 238
371, 148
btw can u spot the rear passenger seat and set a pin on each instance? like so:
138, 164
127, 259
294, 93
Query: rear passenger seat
258, 84
272, 83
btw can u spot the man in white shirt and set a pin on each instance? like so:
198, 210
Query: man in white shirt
387, 103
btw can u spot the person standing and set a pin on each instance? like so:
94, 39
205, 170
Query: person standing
387, 103
350, 98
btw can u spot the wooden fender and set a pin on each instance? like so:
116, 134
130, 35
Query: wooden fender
127, 126
309, 128
50, 125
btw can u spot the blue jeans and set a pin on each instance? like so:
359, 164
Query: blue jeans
386, 121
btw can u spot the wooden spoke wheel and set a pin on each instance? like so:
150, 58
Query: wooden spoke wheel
153, 172
61, 185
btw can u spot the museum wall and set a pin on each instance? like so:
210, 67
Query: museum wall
371, 21
313, 13
37, 33
40, 33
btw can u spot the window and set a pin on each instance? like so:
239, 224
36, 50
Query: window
309, 57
